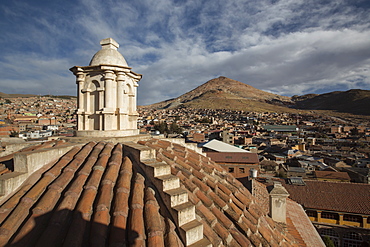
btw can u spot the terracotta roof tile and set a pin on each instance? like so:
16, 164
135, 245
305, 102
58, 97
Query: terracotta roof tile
211, 234
333, 196
222, 217
154, 230
97, 196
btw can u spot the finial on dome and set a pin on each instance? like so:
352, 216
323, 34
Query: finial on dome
109, 43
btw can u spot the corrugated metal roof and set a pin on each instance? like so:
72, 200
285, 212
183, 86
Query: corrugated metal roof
220, 146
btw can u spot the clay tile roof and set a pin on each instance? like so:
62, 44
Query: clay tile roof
153, 193
332, 175
333, 196
228, 211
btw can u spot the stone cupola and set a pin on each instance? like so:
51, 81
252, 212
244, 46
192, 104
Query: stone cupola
106, 91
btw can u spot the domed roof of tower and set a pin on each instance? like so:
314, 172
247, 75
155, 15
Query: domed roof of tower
108, 55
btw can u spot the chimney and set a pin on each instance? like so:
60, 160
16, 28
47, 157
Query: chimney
252, 173
278, 196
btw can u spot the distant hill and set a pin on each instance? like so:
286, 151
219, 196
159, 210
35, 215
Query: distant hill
225, 93
355, 101
5, 95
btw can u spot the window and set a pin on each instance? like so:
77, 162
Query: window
228, 157
334, 236
328, 215
352, 239
311, 213
231, 169
241, 170
353, 218
245, 157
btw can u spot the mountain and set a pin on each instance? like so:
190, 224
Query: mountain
355, 101
5, 95
225, 93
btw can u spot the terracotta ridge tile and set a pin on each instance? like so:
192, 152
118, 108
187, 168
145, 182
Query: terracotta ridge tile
223, 233
243, 199
120, 204
206, 213
231, 185
202, 186
171, 237
211, 234
182, 162
200, 175
210, 183
234, 216
136, 220
222, 195
250, 217
255, 210
240, 238
221, 217
153, 222
247, 226
205, 200
193, 163
238, 203
216, 199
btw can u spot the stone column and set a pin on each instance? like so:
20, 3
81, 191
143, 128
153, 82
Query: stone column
80, 79
278, 196
120, 82
110, 95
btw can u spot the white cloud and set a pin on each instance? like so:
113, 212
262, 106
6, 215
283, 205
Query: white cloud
287, 46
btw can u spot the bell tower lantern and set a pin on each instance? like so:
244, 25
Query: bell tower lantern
106, 91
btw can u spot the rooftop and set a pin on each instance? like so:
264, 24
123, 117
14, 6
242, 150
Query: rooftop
153, 192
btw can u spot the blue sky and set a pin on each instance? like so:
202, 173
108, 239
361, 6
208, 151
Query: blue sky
288, 47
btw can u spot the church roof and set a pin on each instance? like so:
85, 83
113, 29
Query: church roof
154, 192
108, 55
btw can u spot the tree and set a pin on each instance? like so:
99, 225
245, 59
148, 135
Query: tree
174, 128
328, 242
161, 127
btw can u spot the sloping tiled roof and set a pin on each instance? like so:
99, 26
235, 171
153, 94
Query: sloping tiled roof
229, 213
101, 194
298, 224
332, 175
333, 196
230, 157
